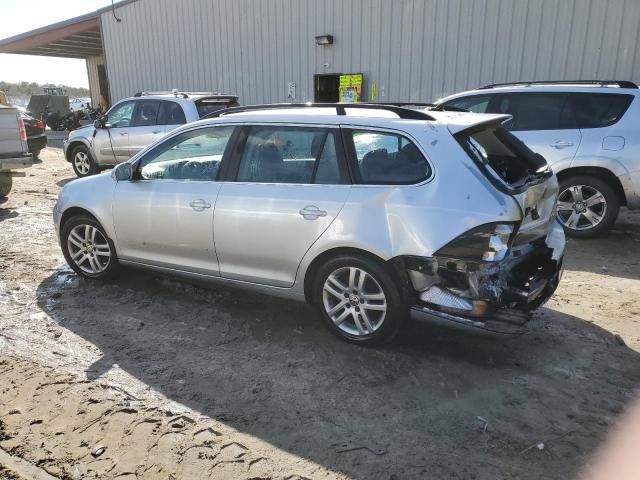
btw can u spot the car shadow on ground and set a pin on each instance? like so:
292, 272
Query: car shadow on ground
64, 181
7, 213
269, 368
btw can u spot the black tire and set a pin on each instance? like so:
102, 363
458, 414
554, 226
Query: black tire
397, 307
110, 267
6, 182
610, 212
83, 162
36, 154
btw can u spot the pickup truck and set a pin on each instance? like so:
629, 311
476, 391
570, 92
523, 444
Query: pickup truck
13, 147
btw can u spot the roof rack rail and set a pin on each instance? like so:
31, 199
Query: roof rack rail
177, 93
402, 112
599, 83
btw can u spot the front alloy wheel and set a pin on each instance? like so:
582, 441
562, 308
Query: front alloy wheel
586, 206
82, 162
87, 249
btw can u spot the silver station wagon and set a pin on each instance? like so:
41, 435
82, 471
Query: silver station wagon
373, 213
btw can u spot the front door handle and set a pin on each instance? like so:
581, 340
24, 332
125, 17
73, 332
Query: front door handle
123, 134
562, 144
199, 205
311, 212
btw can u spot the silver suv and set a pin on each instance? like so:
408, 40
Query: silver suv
370, 212
133, 123
587, 131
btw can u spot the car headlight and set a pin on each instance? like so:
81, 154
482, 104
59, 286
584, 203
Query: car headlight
487, 243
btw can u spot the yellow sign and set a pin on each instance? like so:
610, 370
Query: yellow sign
351, 81
350, 87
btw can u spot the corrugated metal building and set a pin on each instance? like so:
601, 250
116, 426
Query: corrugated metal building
406, 50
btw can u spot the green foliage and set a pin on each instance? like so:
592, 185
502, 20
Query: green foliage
26, 89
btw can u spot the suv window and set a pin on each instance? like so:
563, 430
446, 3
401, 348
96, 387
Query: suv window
597, 110
146, 113
120, 115
171, 113
192, 155
475, 103
531, 111
281, 154
387, 159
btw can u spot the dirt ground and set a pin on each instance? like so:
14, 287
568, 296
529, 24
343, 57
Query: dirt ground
183, 381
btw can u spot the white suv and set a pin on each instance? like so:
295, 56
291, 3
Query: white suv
587, 131
133, 123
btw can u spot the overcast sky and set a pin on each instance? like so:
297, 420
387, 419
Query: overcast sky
19, 16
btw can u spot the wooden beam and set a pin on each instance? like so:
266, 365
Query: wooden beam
63, 47
40, 39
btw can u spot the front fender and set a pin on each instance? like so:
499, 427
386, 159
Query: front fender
72, 143
93, 194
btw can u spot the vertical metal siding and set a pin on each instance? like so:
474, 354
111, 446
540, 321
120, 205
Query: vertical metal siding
94, 83
414, 50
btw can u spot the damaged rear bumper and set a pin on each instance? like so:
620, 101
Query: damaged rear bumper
494, 298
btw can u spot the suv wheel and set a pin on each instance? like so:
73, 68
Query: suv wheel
587, 206
6, 181
82, 162
87, 248
359, 300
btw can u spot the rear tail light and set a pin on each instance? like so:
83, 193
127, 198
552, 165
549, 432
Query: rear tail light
23, 131
41, 125
487, 243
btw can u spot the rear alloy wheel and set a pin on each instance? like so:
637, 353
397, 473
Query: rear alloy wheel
82, 162
359, 300
87, 249
587, 206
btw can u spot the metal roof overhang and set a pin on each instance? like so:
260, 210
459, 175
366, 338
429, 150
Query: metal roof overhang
74, 38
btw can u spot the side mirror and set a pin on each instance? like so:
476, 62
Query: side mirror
122, 171
100, 122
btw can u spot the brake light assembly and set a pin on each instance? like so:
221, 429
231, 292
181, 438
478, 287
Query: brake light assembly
22, 129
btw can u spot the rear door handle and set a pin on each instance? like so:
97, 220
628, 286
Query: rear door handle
199, 205
562, 144
311, 212
156, 131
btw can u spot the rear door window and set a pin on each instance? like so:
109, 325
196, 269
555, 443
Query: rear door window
284, 154
532, 111
474, 103
385, 158
171, 113
597, 110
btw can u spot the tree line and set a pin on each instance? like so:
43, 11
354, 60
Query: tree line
26, 89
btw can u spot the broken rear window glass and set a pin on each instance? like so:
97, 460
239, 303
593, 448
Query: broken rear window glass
502, 155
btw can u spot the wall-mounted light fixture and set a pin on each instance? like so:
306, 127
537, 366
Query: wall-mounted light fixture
324, 39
